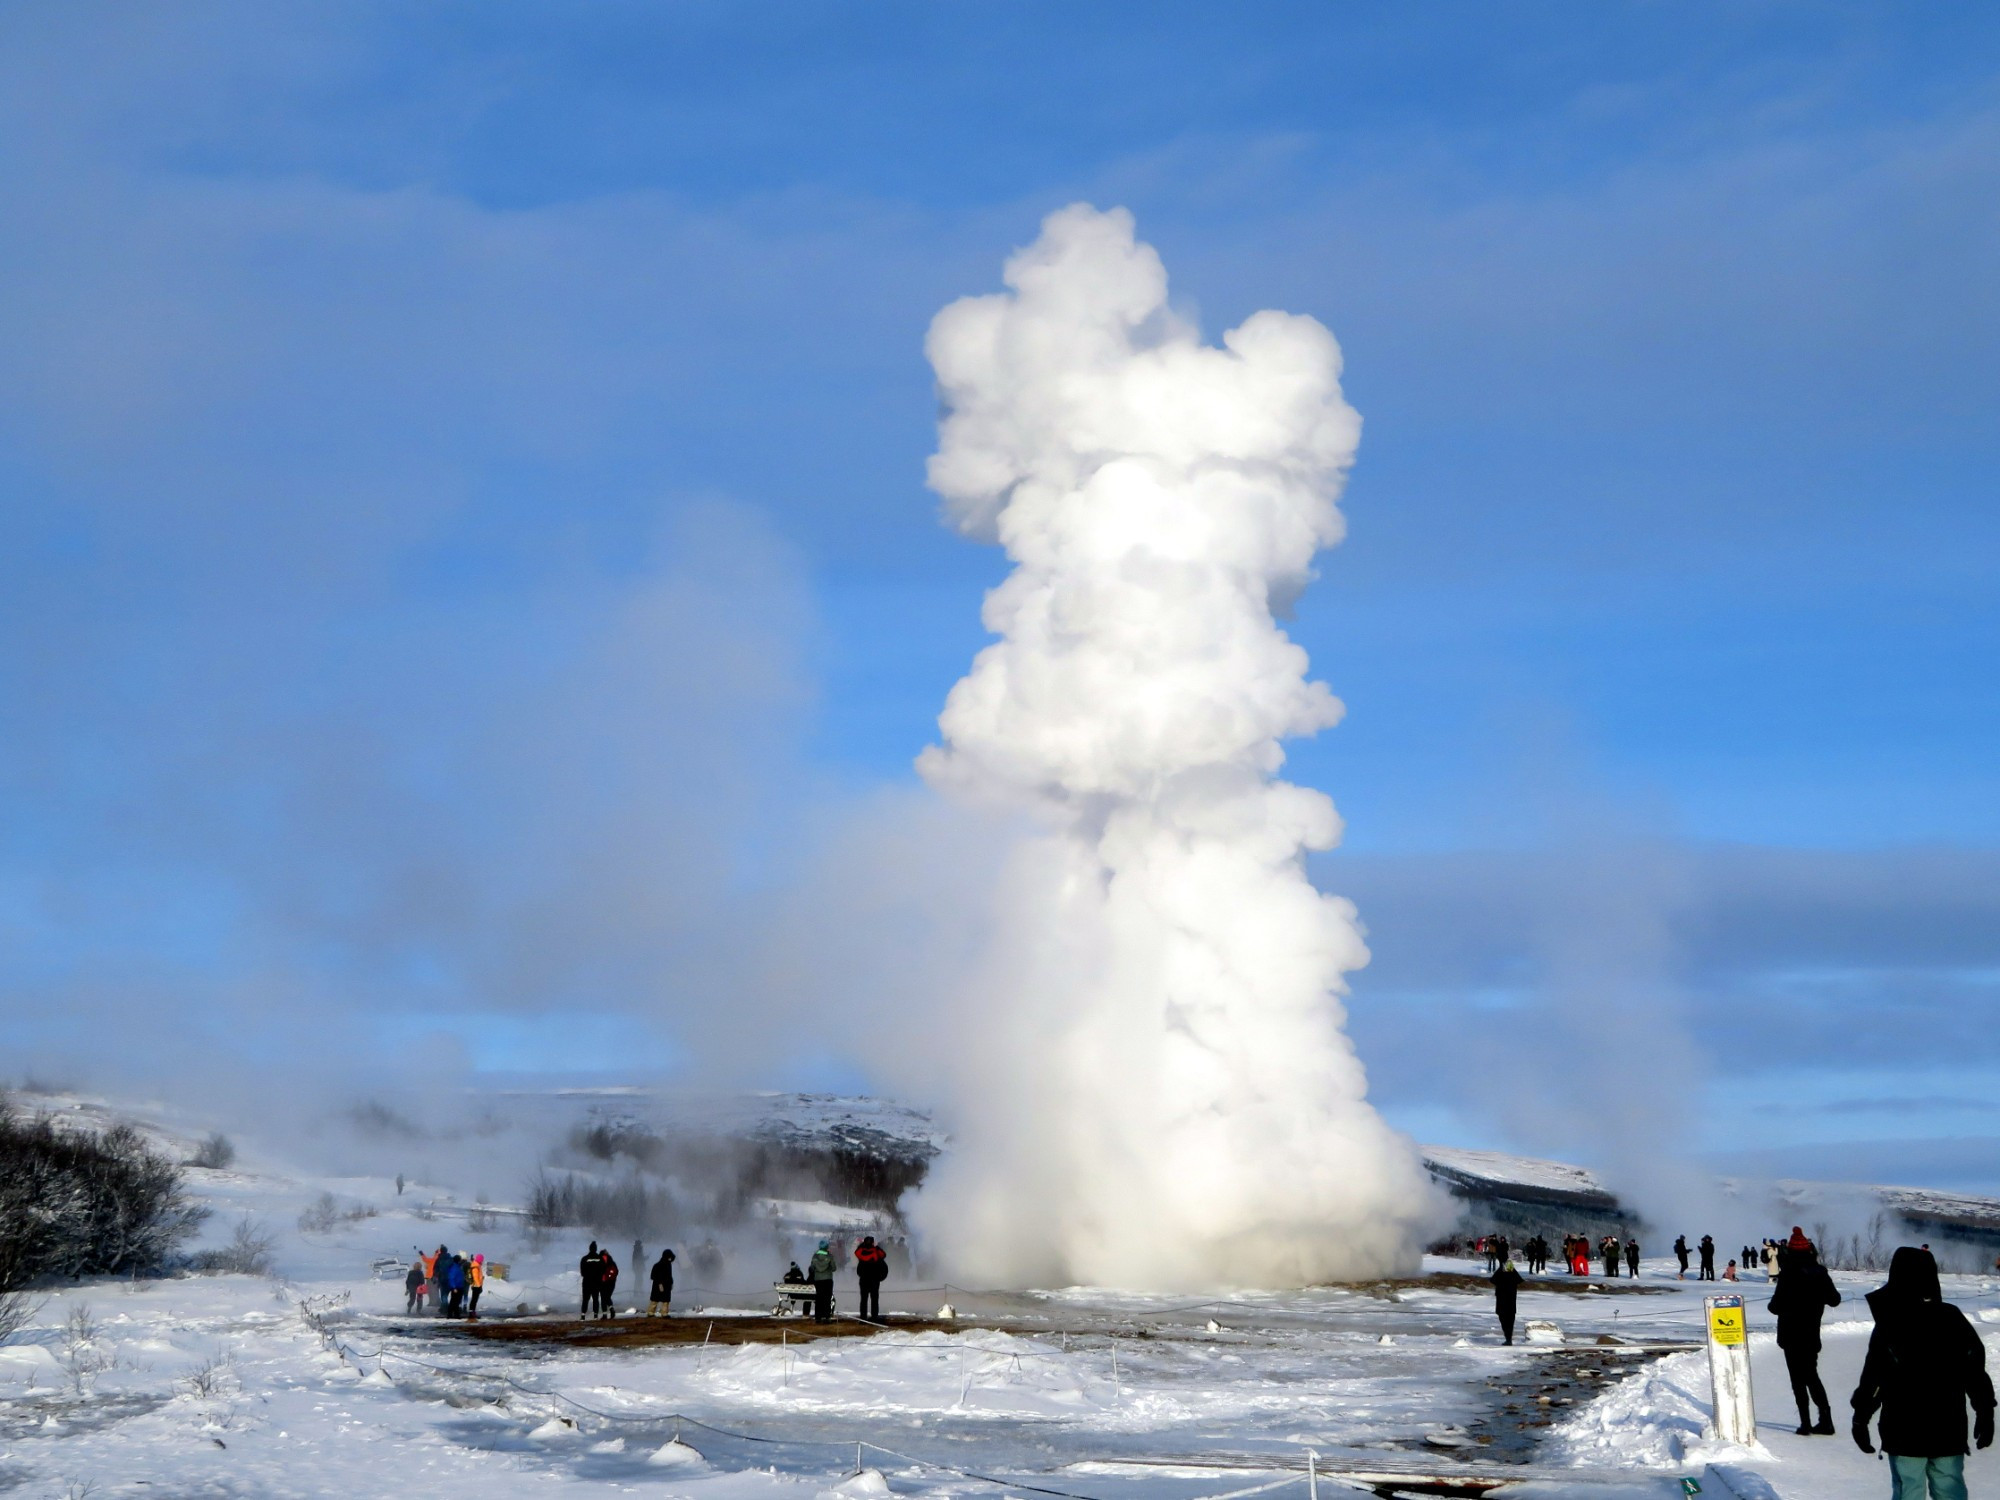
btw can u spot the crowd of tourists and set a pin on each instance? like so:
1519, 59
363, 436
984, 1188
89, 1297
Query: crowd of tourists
1924, 1368
445, 1283
1579, 1255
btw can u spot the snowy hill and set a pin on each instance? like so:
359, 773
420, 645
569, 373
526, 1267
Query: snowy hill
1524, 1195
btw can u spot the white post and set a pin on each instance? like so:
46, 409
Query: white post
1312, 1475
1729, 1371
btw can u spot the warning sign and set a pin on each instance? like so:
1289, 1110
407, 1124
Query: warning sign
1725, 1320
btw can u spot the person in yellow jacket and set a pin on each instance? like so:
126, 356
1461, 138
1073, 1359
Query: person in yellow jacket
476, 1278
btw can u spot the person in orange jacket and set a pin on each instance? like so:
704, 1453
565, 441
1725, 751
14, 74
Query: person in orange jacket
476, 1276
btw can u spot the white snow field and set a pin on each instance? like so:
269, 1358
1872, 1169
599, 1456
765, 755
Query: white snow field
312, 1382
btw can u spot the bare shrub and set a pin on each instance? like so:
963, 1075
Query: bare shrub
213, 1378
215, 1153
248, 1252
325, 1213
82, 1359
481, 1220
626, 1205
376, 1118
17, 1311
77, 1202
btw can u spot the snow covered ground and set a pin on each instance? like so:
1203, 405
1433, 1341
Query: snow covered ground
312, 1383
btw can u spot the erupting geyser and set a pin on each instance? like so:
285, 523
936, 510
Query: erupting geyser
1152, 1085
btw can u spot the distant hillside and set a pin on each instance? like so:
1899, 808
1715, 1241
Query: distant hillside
1524, 1195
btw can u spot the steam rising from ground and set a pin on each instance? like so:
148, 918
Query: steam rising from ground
1153, 1089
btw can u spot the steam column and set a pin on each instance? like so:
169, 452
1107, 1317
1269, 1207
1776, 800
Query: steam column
1729, 1371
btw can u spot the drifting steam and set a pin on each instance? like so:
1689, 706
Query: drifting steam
1155, 1090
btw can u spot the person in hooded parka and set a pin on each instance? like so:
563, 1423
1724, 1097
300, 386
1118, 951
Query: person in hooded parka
1925, 1365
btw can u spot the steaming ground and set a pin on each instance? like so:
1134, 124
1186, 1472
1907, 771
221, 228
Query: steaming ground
223, 1386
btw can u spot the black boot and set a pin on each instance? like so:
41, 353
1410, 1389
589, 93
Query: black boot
1825, 1424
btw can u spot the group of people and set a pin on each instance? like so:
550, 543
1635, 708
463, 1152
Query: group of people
598, 1271
448, 1284
1707, 1249
1925, 1363
1576, 1253
871, 1269
600, 1283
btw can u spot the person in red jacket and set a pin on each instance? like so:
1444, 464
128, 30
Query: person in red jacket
871, 1268
608, 1287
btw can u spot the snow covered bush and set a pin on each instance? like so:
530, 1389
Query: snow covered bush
78, 1202
82, 1358
248, 1252
215, 1153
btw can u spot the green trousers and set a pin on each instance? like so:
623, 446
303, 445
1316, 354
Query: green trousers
1927, 1478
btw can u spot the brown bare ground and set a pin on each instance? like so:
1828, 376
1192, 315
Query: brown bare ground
641, 1333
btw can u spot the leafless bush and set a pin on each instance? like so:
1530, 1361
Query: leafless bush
326, 1213
248, 1252
481, 1220
376, 1118
626, 1205
17, 1310
1856, 1253
76, 1202
82, 1359
215, 1153
211, 1379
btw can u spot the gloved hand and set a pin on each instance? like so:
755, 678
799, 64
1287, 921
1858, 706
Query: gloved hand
1982, 1428
1861, 1435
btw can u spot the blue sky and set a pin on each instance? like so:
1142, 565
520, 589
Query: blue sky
462, 535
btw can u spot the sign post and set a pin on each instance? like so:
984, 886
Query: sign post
1729, 1371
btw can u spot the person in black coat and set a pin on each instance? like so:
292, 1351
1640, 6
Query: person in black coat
871, 1269
590, 1270
1925, 1363
1802, 1298
1707, 1247
661, 1303
1506, 1287
1681, 1253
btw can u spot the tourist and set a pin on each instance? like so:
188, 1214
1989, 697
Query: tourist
1925, 1363
1801, 1299
1506, 1286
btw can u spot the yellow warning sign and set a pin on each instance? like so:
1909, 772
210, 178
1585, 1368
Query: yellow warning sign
1725, 1320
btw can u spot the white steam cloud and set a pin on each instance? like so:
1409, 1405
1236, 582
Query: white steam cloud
1153, 1088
